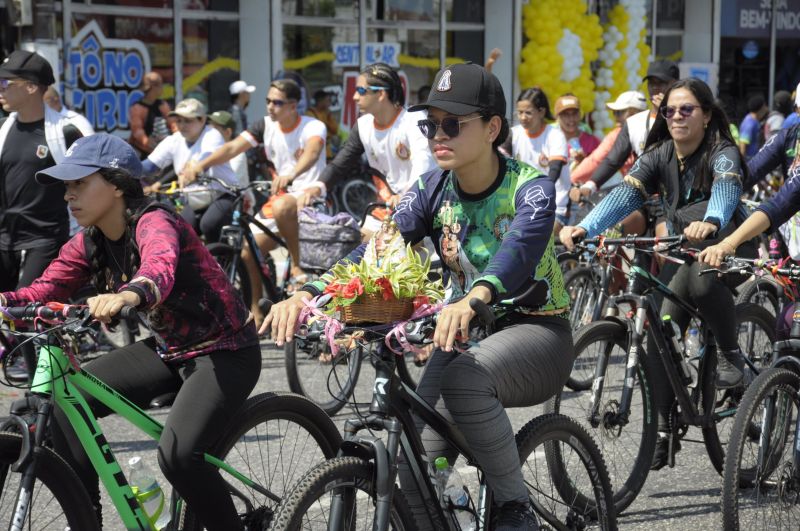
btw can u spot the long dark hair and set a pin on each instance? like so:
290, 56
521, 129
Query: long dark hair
717, 133
536, 97
135, 205
383, 75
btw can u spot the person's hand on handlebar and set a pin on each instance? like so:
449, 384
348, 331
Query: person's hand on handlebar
107, 305
569, 234
281, 182
189, 173
714, 255
281, 321
453, 321
697, 231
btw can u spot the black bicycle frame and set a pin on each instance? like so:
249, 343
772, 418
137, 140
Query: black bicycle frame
393, 401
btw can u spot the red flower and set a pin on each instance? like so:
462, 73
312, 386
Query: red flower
386, 286
353, 289
334, 289
420, 300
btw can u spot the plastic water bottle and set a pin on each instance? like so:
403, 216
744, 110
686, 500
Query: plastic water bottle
148, 493
691, 352
673, 332
453, 490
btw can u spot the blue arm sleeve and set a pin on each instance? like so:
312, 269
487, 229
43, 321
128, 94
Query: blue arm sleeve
526, 240
149, 168
622, 200
725, 194
767, 159
784, 205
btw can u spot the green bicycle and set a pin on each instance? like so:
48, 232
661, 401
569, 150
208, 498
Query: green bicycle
265, 448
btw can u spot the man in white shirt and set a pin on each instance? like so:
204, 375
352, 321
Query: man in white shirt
295, 145
195, 141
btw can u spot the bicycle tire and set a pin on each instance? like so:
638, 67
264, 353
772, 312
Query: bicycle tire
313, 379
355, 195
54, 474
761, 291
579, 509
581, 279
226, 256
627, 450
339, 473
771, 384
715, 437
246, 440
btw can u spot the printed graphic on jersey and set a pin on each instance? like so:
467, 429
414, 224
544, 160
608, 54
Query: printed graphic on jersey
405, 202
444, 82
501, 225
402, 151
463, 272
723, 165
42, 151
536, 199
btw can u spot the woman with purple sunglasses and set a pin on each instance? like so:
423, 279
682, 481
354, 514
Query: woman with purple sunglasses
692, 162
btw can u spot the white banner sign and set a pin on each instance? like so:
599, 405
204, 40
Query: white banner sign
348, 53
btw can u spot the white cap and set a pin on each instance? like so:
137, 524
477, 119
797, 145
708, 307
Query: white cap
240, 86
632, 99
797, 96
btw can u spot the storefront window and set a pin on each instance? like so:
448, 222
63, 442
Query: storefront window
128, 3
419, 10
465, 11
321, 8
210, 61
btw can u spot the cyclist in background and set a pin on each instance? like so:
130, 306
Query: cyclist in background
500, 214
388, 134
692, 161
149, 116
139, 253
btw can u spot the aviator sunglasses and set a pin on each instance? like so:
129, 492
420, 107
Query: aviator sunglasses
450, 125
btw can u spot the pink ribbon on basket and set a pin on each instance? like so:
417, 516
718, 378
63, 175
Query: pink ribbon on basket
332, 326
399, 331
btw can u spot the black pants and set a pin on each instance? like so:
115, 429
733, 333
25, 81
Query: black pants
211, 388
210, 221
16, 272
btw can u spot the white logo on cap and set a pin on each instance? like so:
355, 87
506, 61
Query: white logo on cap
444, 82
71, 149
114, 163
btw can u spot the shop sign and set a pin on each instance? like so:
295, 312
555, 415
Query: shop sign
103, 76
752, 18
348, 54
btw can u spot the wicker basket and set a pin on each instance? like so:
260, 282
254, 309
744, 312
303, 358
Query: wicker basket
371, 308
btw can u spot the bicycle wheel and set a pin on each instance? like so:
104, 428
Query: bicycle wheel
756, 327
355, 195
584, 294
575, 473
228, 258
327, 382
346, 479
627, 445
58, 500
763, 292
274, 440
759, 485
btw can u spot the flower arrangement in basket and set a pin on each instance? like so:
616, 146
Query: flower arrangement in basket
386, 286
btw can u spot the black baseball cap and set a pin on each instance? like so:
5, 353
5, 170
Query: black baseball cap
465, 88
29, 66
663, 70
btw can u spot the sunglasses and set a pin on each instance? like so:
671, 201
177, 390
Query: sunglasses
685, 110
363, 90
5, 83
276, 103
450, 125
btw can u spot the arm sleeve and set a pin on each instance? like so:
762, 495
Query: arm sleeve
622, 200
767, 159
526, 240
727, 186
554, 169
786, 202
62, 278
255, 133
149, 168
616, 157
159, 247
346, 160
161, 156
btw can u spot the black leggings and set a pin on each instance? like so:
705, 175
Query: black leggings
210, 221
522, 365
211, 388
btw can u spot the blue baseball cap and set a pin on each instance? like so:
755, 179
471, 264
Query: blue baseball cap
92, 153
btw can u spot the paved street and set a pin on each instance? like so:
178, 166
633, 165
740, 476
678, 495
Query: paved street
686, 497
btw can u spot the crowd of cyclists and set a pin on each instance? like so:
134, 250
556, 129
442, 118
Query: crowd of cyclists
493, 201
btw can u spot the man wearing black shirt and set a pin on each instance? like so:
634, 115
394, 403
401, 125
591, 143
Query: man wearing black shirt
33, 218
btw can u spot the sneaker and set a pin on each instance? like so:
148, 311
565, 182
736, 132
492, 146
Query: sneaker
730, 369
661, 454
513, 516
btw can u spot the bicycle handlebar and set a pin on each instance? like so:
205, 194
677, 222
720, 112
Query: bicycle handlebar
748, 266
55, 311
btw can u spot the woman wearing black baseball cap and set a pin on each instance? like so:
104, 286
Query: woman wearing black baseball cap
491, 220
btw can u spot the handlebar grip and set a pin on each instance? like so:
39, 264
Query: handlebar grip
483, 311
129, 313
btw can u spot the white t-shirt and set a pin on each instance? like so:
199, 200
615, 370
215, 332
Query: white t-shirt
538, 150
284, 148
399, 151
175, 150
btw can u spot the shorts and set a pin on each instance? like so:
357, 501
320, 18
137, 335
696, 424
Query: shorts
267, 220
